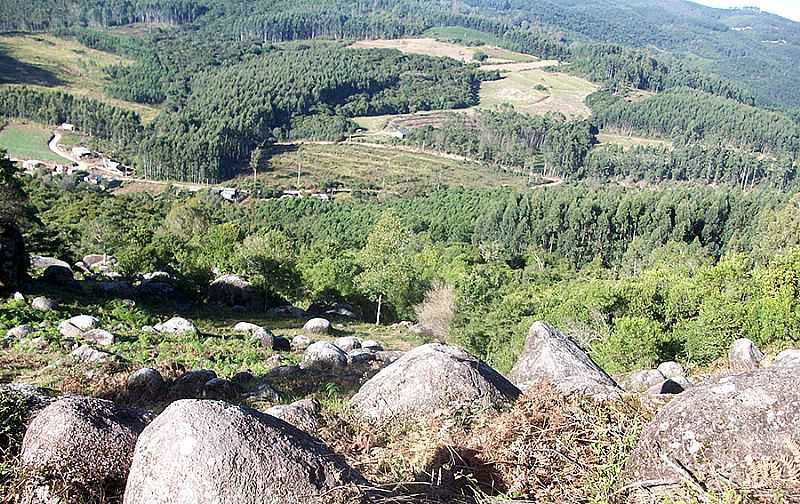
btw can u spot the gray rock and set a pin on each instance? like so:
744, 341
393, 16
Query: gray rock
281, 344
672, 370
190, 385
788, 359
421, 330
39, 343
360, 356
83, 442
76, 326
42, 262
99, 337
208, 452
149, 330
264, 337
735, 426
245, 328
644, 380
146, 383
58, 275
323, 356
243, 379
303, 414
19, 332
667, 387
176, 325
264, 391
87, 355
44, 304
301, 342
220, 388
84, 322
549, 356
348, 343
317, 326
371, 345
744, 355
287, 312
18, 296
431, 380
233, 290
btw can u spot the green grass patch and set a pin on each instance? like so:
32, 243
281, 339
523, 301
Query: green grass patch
386, 170
28, 141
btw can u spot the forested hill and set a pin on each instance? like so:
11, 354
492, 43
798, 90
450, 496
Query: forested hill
759, 51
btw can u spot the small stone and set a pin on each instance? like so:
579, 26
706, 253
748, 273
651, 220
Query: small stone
99, 337
88, 355
39, 343
191, 384
644, 380
281, 344
44, 304
245, 328
176, 325
146, 383
360, 356
301, 342
264, 391
19, 332
744, 355
371, 345
221, 389
671, 370
243, 379
18, 297
348, 343
263, 337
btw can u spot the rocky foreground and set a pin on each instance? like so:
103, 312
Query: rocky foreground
542, 432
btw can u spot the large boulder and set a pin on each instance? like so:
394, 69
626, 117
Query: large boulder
742, 429
301, 342
76, 326
261, 335
190, 385
146, 383
43, 262
13, 258
210, 452
788, 359
644, 380
430, 380
233, 290
323, 356
317, 326
58, 275
550, 356
84, 442
19, 332
348, 343
744, 355
89, 356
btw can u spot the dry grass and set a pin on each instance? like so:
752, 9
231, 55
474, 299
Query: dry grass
436, 312
433, 47
49, 62
546, 448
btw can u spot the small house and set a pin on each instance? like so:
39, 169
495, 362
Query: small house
68, 127
81, 152
32, 164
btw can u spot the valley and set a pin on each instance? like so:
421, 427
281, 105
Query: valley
345, 252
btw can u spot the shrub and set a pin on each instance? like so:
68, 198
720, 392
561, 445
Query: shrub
436, 312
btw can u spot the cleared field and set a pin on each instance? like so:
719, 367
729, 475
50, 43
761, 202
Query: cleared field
627, 141
433, 47
537, 92
54, 63
370, 167
25, 141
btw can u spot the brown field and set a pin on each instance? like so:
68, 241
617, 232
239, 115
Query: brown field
629, 141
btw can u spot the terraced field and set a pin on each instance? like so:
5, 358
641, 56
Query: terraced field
50, 62
386, 169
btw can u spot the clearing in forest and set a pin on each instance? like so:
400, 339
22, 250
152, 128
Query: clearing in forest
26, 141
628, 141
433, 47
389, 169
39, 60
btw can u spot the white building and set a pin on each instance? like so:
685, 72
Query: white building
68, 127
81, 152
32, 164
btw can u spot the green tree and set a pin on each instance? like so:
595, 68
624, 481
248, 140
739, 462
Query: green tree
387, 265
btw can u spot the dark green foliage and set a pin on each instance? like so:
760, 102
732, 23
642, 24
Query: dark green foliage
689, 162
695, 115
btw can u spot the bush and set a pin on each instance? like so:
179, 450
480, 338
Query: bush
436, 312
634, 343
